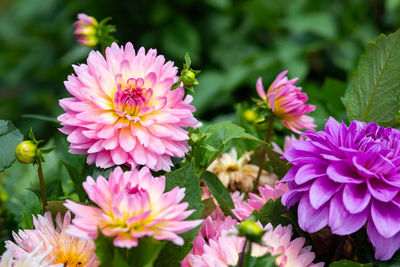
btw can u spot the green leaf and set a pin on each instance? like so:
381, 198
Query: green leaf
347, 263
77, 177
145, 253
264, 261
219, 191
217, 137
10, 137
209, 207
56, 207
104, 249
172, 255
118, 260
375, 86
188, 61
279, 165
272, 212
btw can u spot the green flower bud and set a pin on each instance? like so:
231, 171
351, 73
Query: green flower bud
189, 78
26, 152
250, 230
195, 137
250, 115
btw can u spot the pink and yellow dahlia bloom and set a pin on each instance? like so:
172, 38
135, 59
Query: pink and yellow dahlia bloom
131, 205
86, 30
123, 111
60, 247
287, 102
225, 250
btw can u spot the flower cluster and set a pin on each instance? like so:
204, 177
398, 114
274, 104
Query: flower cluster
131, 205
346, 177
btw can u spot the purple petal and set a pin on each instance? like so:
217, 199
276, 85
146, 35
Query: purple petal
341, 221
290, 174
308, 172
384, 247
359, 164
312, 220
356, 197
322, 190
386, 217
343, 173
381, 190
294, 195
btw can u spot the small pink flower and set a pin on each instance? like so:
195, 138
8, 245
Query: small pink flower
288, 142
225, 250
287, 102
124, 112
58, 246
131, 205
243, 209
86, 30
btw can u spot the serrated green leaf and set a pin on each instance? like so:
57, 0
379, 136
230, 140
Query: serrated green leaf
10, 137
171, 254
272, 212
220, 193
347, 263
375, 86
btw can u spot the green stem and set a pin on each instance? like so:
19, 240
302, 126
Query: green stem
42, 185
263, 158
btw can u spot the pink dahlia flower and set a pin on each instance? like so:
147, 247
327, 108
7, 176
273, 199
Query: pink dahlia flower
225, 250
131, 205
243, 209
346, 177
124, 112
86, 30
288, 103
58, 246
34, 258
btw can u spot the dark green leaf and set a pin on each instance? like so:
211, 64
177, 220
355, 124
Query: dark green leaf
272, 212
104, 249
209, 207
118, 260
264, 261
375, 86
279, 165
10, 137
145, 253
219, 191
171, 254
56, 207
347, 263
77, 177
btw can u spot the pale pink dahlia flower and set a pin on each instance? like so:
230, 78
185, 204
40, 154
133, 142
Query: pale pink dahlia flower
131, 205
243, 209
67, 250
124, 112
225, 250
287, 102
34, 258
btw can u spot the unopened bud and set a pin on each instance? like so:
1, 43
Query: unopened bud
195, 137
86, 30
26, 152
250, 115
251, 230
189, 78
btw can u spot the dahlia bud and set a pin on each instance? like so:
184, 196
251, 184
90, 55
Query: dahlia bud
251, 230
26, 152
86, 30
189, 78
250, 115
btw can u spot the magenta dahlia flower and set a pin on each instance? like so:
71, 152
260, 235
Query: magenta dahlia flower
86, 30
54, 243
287, 102
225, 250
124, 112
346, 177
131, 205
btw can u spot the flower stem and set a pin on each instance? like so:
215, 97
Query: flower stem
242, 256
42, 185
263, 151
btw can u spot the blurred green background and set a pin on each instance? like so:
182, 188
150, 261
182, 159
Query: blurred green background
232, 42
